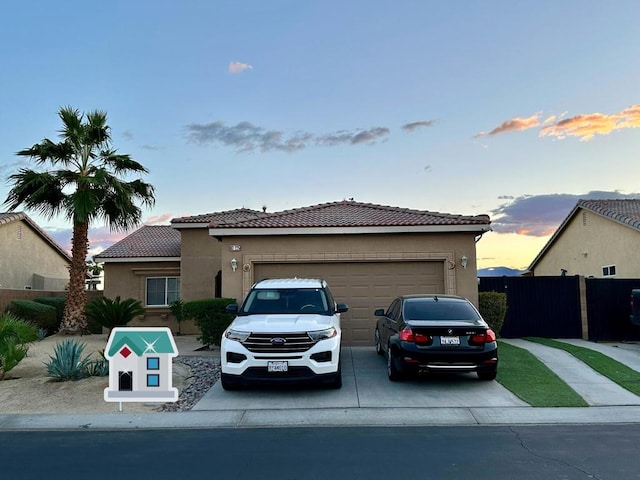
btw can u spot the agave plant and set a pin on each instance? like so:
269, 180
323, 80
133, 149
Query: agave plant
113, 313
67, 363
15, 335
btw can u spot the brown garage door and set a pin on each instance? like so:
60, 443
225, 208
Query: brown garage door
363, 286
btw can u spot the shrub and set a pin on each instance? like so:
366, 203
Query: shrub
211, 317
113, 313
67, 363
15, 334
493, 308
39, 314
177, 309
57, 303
99, 368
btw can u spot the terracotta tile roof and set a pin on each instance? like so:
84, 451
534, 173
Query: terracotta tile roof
348, 213
624, 211
8, 217
154, 241
231, 215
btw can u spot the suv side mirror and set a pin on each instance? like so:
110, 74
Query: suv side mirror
379, 312
232, 308
342, 307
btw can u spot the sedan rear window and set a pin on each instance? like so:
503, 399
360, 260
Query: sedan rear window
431, 309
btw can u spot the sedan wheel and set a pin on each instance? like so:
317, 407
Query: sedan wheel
392, 369
487, 374
378, 346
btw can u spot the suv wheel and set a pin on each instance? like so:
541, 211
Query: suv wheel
336, 383
229, 382
392, 369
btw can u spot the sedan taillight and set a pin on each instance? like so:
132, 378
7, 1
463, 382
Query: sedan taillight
487, 336
408, 335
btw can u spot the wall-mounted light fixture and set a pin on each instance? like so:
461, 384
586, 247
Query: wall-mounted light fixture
463, 261
234, 264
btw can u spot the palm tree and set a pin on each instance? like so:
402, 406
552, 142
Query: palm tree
86, 183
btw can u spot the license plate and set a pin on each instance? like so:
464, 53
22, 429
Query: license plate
449, 340
277, 366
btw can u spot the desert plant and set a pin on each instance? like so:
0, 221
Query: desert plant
493, 308
41, 315
15, 335
42, 333
211, 317
67, 363
177, 309
100, 367
113, 313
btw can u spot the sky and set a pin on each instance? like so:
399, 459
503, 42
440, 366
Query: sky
514, 109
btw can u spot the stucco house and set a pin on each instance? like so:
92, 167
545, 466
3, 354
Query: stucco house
599, 238
367, 253
29, 258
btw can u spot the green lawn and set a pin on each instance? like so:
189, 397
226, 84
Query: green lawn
607, 366
532, 381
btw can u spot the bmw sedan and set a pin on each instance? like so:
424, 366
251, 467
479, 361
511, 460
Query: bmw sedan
435, 333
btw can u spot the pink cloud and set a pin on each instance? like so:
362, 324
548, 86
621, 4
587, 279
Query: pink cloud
238, 67
517, 124
585, 127
159, 219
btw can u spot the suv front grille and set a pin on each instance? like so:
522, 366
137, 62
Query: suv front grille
284, 343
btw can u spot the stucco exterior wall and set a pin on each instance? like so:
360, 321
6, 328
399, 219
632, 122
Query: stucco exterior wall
128, 280
200, 263
337, 248
588, 243
23, 253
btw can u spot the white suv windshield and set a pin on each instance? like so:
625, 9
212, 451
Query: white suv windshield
286, 300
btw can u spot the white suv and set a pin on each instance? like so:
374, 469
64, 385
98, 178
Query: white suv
287, 330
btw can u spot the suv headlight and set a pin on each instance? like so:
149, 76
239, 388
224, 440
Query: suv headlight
236, 335
318, 335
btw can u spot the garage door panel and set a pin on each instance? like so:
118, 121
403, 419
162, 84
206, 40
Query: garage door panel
364, 286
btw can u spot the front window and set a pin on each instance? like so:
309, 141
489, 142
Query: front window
286, 300
162, 291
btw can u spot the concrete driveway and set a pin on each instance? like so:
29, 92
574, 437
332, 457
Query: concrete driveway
365, 385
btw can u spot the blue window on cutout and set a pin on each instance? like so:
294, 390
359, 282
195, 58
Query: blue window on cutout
153, 363
153, 380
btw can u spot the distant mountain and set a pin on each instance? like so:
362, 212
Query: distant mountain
499, 272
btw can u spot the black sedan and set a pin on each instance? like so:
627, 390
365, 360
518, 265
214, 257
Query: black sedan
435, 333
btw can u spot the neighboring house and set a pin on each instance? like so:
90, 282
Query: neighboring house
599, 238
140, 365
29, 258
367, 253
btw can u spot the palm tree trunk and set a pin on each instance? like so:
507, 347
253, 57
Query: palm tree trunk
74, 320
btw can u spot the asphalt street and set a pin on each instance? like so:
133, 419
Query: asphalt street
504, 452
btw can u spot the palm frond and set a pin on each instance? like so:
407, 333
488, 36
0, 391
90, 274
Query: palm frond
40, 191
122, 163
48, 152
